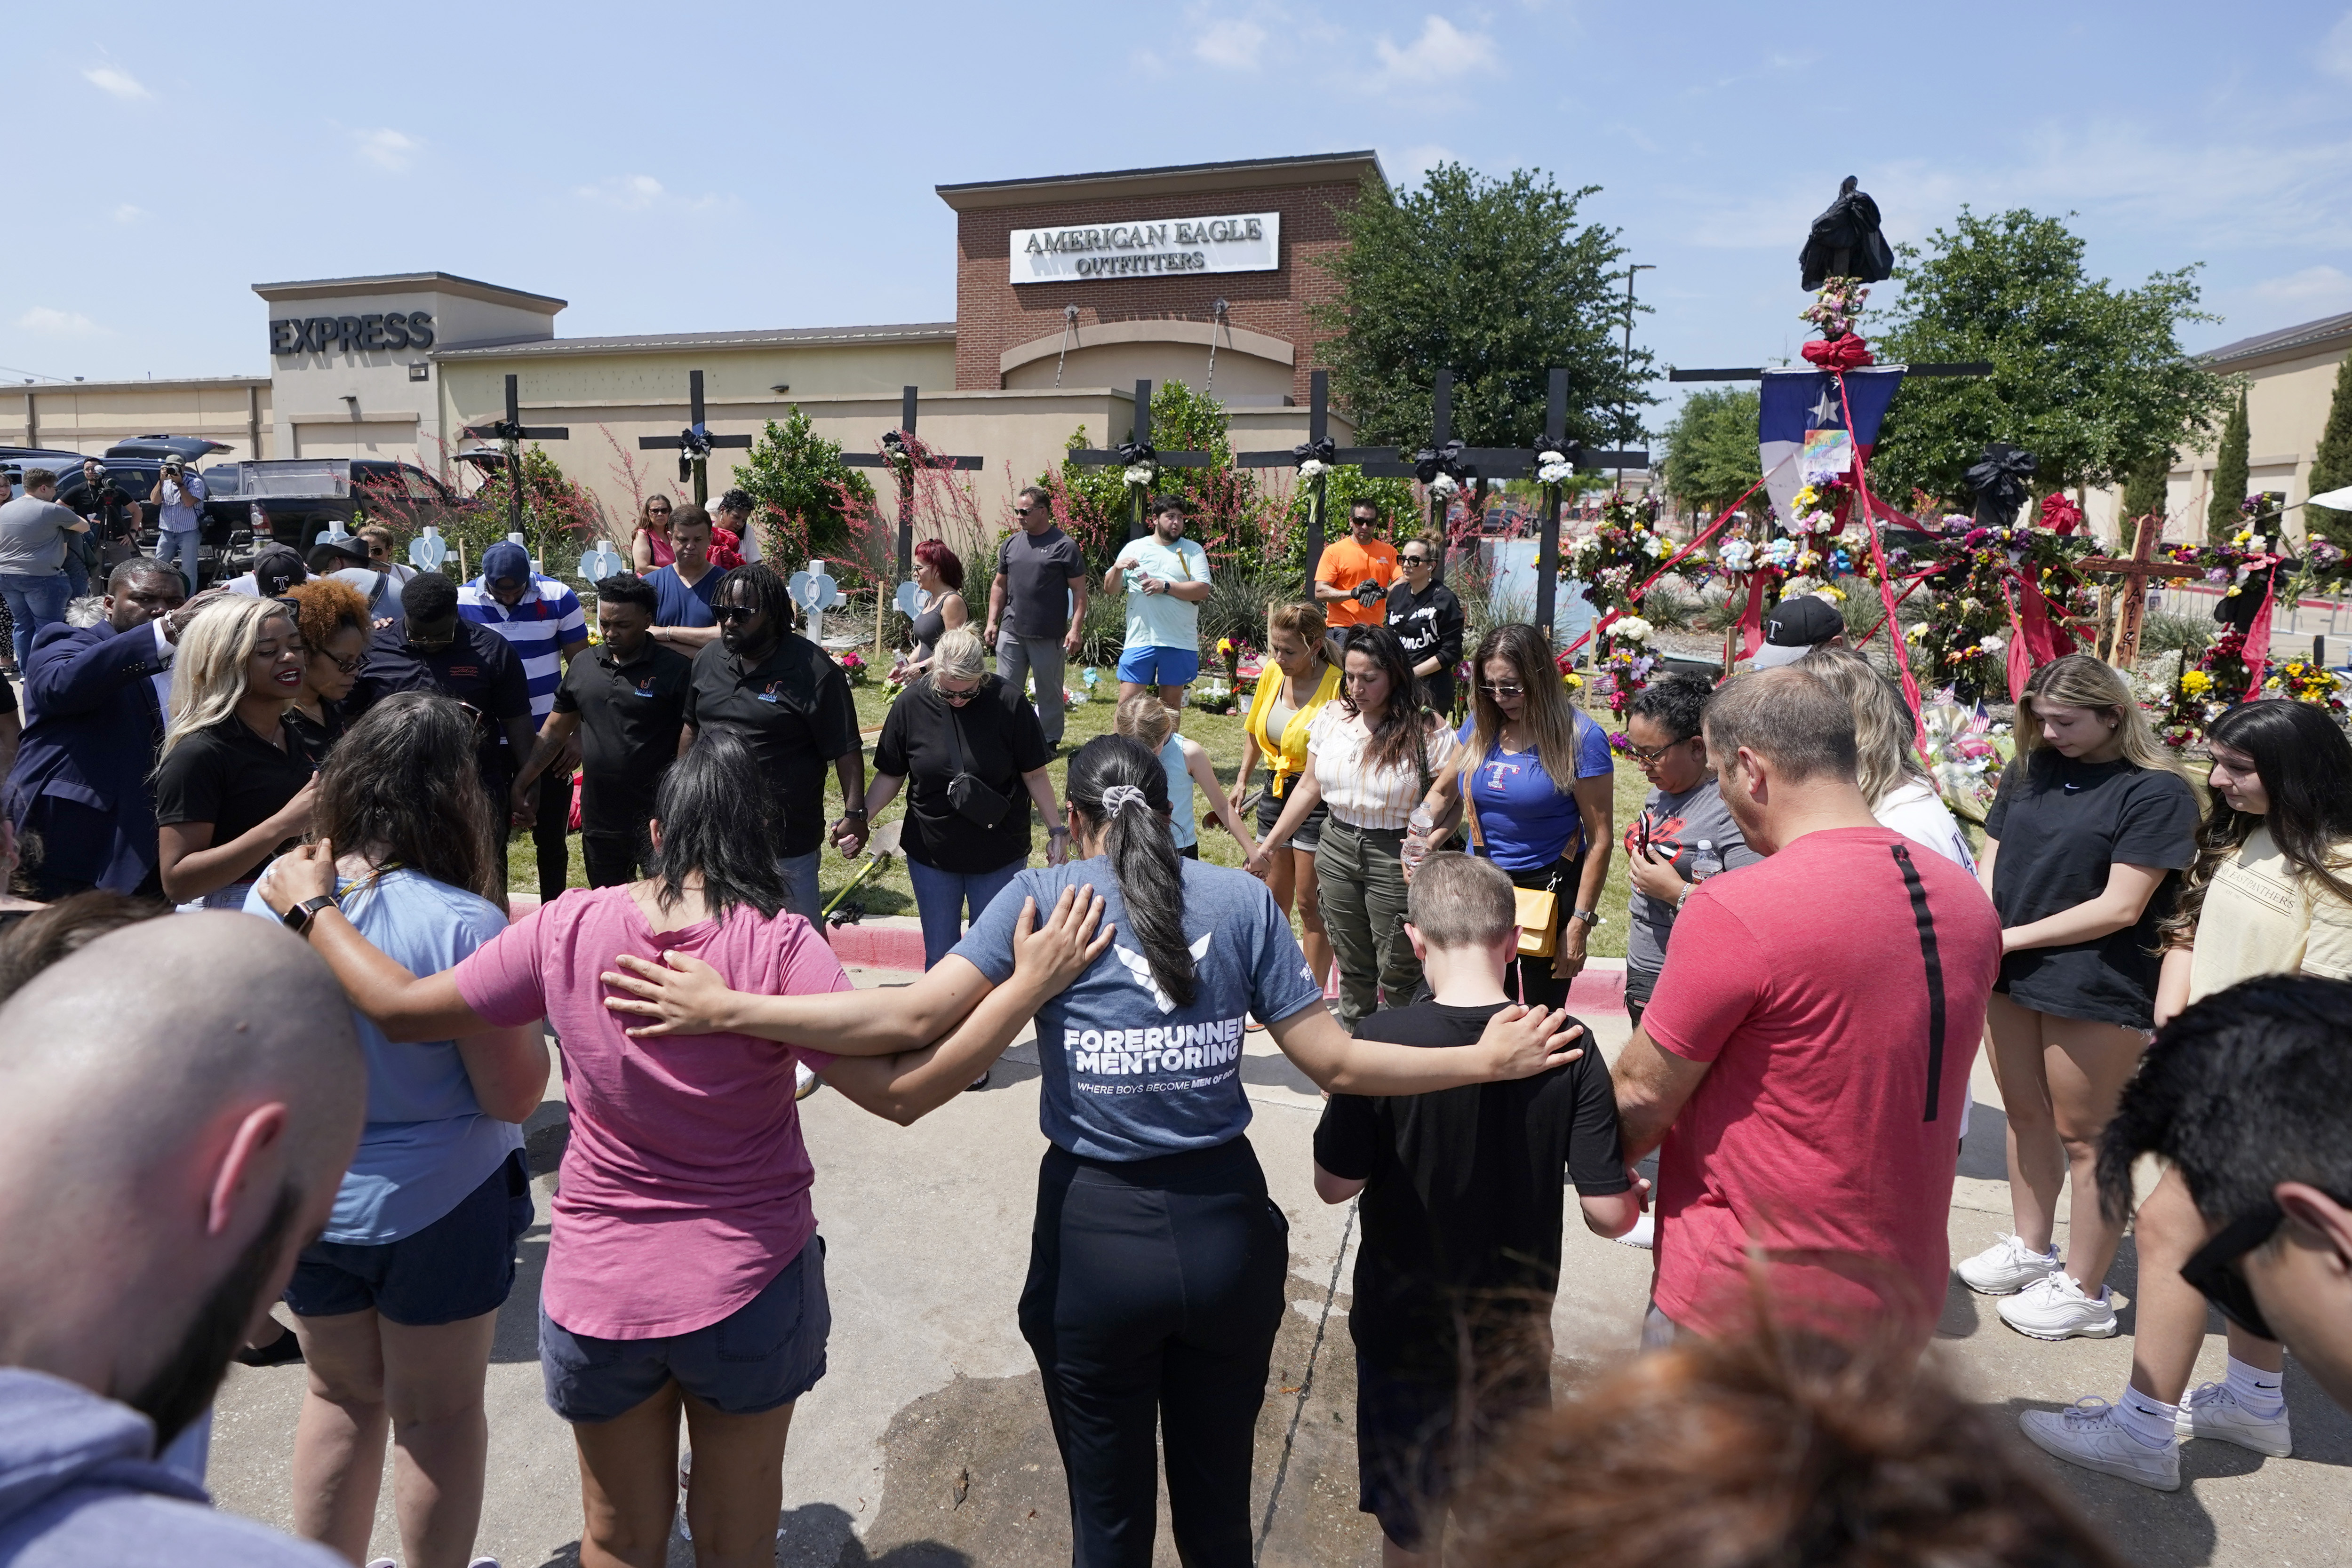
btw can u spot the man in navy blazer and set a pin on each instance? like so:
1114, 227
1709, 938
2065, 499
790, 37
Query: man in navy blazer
80, 793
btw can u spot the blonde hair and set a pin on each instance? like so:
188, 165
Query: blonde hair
1883, 733
208, 667
1306, 621
2078, 680
959, 654
1144, 717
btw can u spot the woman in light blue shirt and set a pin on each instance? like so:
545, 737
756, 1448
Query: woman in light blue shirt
1151, 723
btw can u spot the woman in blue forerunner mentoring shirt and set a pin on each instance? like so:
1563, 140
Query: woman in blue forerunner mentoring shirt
1542, 795
1157, 1259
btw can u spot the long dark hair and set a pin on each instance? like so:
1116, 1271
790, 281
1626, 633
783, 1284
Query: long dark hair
1143, 854
1403, 727
2305, 767
720, 820
402, 786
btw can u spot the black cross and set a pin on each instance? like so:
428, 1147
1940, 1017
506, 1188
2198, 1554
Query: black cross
511, 433
902, 452
1467, 464
693, 445
1319, 447
1756, 372
1139, 449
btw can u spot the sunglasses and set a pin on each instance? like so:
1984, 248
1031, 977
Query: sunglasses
1023, 511
1652, 753
723, 614
1503, 692
953, 695
1415, 559
658, 511
2210, 1267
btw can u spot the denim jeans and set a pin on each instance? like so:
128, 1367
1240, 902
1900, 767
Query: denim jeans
1018, 658
800, 886
942, 896
34, 602
172, 546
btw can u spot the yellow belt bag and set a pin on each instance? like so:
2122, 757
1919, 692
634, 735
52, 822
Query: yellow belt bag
1537, 908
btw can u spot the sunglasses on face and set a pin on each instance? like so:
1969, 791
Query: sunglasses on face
658, 511
1650, 753
1504, 691
723, 614
2211, 1269
1415, 559
956, 697
1023, 511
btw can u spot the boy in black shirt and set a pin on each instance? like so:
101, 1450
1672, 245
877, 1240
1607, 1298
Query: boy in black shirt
1462, 1214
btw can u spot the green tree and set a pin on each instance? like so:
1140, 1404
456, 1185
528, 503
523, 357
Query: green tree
808, 494
1494, 279
559, 517
2089, 378
2227, 510
1711, 452
2331, 465
2145, 488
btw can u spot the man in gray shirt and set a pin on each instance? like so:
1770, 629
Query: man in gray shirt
1684, 834
33, 533
1039, 570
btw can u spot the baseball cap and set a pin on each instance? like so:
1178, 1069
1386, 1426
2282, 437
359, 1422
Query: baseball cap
1796, 626
506, 560
277, 566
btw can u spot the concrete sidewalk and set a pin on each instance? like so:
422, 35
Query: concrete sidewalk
925, 1445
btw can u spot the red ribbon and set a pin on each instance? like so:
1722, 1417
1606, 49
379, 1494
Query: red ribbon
1838, 356
1671, 562
2059, 514
1886, 589
2256, 650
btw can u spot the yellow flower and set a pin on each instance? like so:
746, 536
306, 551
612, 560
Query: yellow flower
1918, 632
2195, 681
2245, 536
1572, 681
1826, 591
2272, 685
1806, 499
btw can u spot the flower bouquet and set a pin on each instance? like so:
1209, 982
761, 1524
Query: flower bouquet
854, 668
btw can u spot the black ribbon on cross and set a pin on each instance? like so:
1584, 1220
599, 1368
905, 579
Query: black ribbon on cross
1429, 462
894, 447
500, 430
1999, 481
693, 445
1325, 452
1133, 453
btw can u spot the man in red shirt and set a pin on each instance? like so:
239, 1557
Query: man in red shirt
1803, 1088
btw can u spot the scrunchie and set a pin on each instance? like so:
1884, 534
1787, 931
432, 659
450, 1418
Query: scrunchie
1121, 796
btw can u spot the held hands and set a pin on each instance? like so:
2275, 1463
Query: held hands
1048, 958
686, 997
306, 870
1654, 875
1523, 1041
1260, 864
849, 836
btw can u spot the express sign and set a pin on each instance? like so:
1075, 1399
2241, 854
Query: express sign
375, 332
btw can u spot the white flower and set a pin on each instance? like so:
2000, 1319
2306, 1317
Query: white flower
1141, 474
1554, 469
1630, 629
1443, 484
1988, 643
1658, 545
1312, 468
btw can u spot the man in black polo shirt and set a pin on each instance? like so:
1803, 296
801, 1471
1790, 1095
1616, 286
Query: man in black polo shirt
626, 700
434, 650
790, 703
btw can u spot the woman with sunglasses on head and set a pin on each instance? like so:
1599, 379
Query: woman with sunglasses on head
2270, 894
333, 620
1542, 795
235, 783
1156, 1260
1370, 756
650, 544
1427, 618
2083, 849
1301, 676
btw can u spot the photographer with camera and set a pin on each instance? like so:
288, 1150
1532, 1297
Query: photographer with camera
114, 517
178, 498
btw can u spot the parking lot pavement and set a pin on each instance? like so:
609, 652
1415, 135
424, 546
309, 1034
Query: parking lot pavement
925, 1446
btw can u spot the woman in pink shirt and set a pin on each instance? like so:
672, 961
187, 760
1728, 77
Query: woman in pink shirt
680, 1276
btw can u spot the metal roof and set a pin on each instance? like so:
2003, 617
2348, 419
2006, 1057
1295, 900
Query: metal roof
2311, 334
662, 342
1175, 178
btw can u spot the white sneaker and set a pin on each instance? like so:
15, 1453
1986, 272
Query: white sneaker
1644, 1235
2087, 1434
804, 1082
2055, 1307
2005, 1267
2212, 1411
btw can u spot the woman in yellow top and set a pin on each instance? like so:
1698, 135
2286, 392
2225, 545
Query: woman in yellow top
2270, 894
1299, 679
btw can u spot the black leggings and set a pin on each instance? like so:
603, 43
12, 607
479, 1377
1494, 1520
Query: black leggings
1154, 1292
1537, 986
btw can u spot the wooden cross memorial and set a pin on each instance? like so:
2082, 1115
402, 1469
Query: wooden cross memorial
693, 445
902, 452
1318, 448
510, 432
2136, 569
1139, 452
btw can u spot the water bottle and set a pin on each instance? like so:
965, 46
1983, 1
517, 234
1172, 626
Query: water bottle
1704, 862
1417, 831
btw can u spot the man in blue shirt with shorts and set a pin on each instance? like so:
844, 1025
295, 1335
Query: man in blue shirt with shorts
1164, 576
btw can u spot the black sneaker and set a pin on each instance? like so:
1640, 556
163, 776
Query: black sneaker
283, 1351
978, 1083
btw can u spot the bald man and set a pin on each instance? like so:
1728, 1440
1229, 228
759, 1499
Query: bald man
177, 1104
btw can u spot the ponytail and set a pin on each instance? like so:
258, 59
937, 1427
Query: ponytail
1115, 783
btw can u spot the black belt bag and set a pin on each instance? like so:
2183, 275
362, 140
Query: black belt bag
974, 801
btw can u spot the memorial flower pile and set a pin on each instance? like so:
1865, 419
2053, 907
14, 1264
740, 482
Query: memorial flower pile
2300, 680
1966, 752
1970, 592
1621, 552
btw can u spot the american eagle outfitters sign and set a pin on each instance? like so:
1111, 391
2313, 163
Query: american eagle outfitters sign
1246, 243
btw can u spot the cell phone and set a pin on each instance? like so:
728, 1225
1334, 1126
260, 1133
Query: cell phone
1642, 834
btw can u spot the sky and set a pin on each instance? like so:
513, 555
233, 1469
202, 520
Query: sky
726, 166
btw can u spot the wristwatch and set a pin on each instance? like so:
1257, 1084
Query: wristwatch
1057, 830
1590, 916
849, 811
298, 919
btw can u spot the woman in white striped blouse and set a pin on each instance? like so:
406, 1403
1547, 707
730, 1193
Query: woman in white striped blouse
1369, 757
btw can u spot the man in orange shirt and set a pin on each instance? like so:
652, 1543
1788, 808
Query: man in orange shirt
1351, 581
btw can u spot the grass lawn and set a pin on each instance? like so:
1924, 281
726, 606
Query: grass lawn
889, 892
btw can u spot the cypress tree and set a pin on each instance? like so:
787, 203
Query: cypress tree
2227, 509
2145, 489
2331, 466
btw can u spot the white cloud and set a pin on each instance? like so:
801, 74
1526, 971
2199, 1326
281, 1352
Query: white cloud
2334, 54
1231, 45
127, 213
58, 323
115, 83
1442, 53
2315, 287
388, 149
631, 192
1415, 163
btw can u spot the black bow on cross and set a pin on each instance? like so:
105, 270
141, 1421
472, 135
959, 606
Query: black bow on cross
693, 445
1131, 453
1429, 463
1325, 452
500, 430
894, 447
1997, 480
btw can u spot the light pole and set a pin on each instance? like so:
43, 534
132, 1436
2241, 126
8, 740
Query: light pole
1626, 364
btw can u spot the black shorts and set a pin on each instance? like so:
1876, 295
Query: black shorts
1310, 836
766, 1353
459, 1266
1414, 1443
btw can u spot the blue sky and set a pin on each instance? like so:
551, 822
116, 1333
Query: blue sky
718, 165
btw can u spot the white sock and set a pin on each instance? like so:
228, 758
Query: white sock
2147, 1417
2255, 1389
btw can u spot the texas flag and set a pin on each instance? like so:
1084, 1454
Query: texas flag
1802, 431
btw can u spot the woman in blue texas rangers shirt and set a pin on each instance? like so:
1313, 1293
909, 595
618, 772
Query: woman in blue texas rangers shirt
1157, 1258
